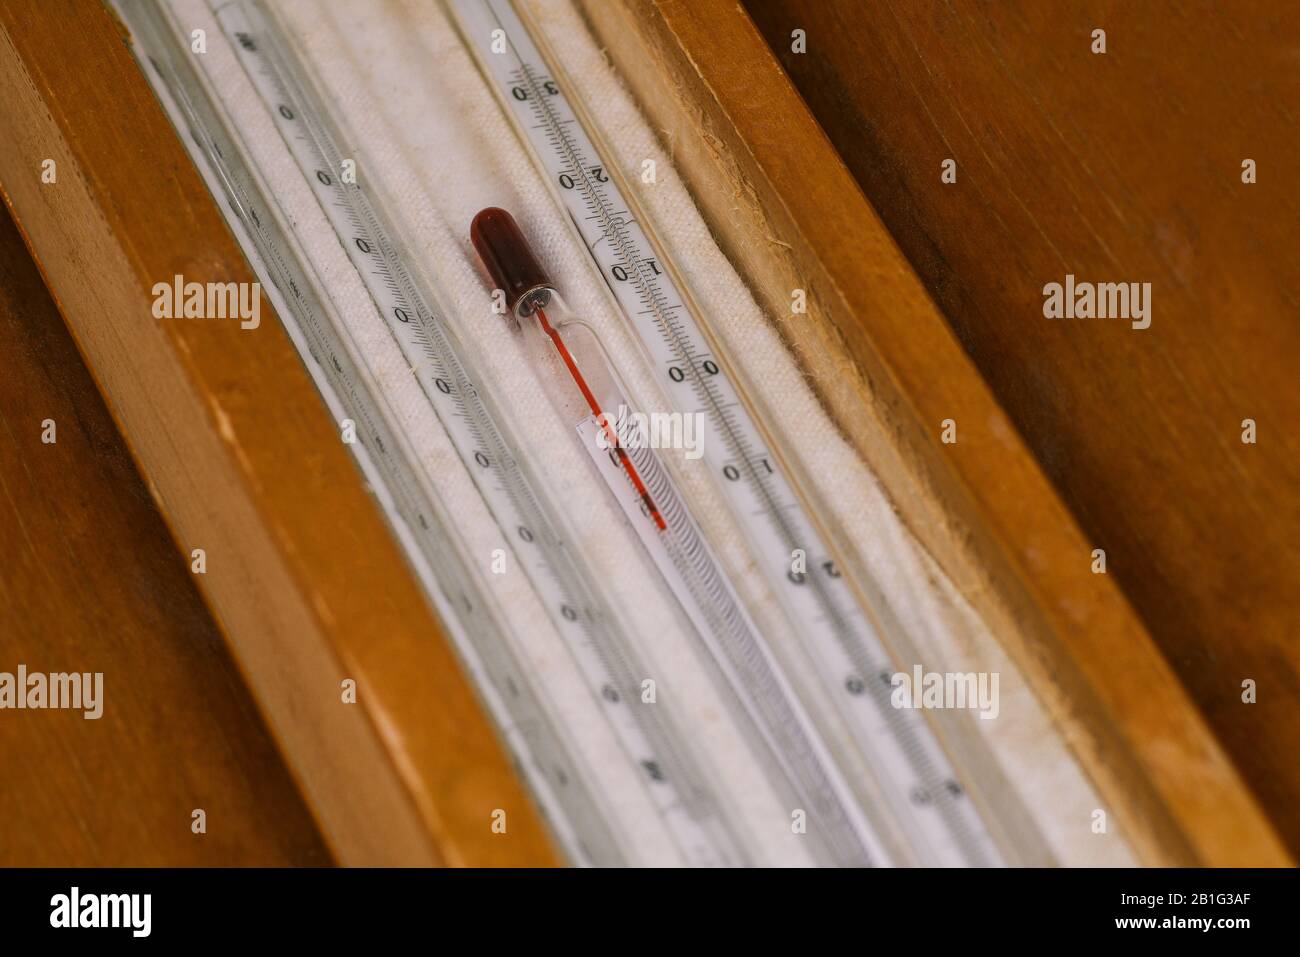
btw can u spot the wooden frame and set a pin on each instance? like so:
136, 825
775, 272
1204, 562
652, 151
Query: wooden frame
221, 419
789, 215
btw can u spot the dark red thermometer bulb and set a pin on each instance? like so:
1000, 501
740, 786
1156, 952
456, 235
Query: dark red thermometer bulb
510, 262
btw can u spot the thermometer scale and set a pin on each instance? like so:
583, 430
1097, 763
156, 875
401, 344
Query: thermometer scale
925, 815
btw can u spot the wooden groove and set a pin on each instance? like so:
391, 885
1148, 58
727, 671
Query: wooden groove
302, 572
787, 212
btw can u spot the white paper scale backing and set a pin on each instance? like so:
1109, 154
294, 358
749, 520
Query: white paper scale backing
399, 77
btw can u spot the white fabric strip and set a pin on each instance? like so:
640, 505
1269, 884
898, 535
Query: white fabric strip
431, 134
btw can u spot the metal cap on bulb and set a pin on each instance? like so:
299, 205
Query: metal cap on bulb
509, 260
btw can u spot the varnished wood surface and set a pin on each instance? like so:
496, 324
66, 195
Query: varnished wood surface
1123, 166
786, 210
91, 581
242, 455
225, 419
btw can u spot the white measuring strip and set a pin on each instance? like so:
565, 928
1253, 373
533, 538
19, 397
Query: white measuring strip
746, 663
836, 820
682, 802
419, 523
605, 657
703, 844
927, 803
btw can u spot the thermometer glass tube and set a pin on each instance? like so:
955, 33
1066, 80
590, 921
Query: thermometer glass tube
574, 366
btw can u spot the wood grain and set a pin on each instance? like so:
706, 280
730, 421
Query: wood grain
91, 581
1123, 166
223, 421
786, 210
241, 455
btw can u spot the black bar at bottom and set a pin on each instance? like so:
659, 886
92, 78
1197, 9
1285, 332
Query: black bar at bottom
462, 909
